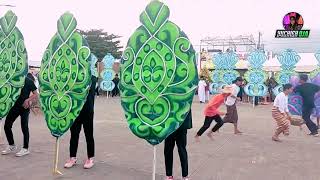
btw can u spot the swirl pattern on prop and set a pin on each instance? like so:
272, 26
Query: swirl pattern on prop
158, 76
65, 76
93, 68
224, 72
288, 60
107, 74
13, 62
256, 76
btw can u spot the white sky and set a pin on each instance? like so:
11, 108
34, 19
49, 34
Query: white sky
198, 18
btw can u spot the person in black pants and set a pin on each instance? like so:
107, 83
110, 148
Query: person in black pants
21, 108
115, 91
307, 91
84, 119
178, 137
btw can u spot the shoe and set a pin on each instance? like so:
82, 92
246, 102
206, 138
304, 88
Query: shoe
88, 164
185, 178
169, 178
22, 152
9, 149
276, 139
314, 134
71, 162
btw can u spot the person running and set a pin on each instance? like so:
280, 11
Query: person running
21, 108
232, 113
84, 119
307, 92
179, 137
211, 113
280, 112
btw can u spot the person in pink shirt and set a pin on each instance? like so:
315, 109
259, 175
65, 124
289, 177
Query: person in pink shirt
211, 113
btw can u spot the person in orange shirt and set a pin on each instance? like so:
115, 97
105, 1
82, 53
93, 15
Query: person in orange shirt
211, 113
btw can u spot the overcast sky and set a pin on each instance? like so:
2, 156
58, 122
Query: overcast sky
198, 18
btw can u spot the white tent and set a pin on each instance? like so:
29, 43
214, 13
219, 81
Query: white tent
307, 63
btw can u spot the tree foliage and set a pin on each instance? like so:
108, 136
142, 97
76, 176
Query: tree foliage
204, 72
101, 43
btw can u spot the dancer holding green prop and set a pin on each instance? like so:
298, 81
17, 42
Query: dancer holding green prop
13, 71
13, 63
64, 78
85, 120
158, 76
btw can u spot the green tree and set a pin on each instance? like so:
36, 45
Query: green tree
101, 43
204, 72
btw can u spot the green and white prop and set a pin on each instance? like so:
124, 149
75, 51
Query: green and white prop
107, 74
158, 76
13, 63
64, 78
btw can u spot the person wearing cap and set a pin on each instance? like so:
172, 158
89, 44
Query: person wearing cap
280, 112
232, 113
211, 113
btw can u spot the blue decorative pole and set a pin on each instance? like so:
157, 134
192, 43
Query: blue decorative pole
288, 60
107, 74
256, 76
224, 73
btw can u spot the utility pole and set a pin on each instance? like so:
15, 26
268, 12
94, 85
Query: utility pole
259, 41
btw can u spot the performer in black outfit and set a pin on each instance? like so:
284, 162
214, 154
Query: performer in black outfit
179, 137
84, 119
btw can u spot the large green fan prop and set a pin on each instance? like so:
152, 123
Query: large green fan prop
64, 78
13, 63
158, 76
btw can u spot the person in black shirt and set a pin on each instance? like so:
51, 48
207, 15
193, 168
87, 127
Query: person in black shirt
84, 119
178, 137
307, 91
115, 91
21, 108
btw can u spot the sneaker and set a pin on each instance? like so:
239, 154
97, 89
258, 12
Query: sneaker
314, 134
71, 162
88, 164
185, 178
22, 152
169, 178
9, 149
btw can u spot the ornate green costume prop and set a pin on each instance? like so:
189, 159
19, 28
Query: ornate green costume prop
13, 63
64, 78
158, 76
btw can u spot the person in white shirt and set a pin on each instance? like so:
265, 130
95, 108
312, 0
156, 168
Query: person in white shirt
280, 112
232, 113
202, 90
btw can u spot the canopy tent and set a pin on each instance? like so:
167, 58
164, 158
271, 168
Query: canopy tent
307, 63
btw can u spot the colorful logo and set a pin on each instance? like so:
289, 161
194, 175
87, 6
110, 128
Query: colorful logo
292, 23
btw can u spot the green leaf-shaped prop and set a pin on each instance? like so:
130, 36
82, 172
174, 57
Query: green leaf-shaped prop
65, 76
13, 62
158, 76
